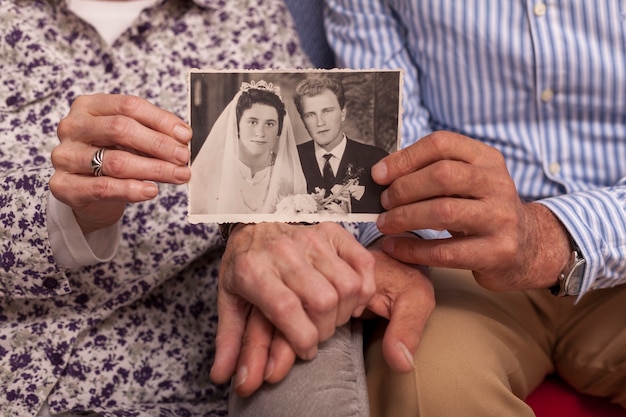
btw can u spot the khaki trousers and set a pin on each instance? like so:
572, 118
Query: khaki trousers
483, 352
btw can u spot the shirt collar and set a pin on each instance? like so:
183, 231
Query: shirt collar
337, 151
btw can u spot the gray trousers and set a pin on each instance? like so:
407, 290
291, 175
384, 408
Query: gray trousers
332, 384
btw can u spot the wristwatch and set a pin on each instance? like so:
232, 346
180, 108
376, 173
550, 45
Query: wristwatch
571, 278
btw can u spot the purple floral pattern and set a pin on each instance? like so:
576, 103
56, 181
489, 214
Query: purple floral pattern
135, 336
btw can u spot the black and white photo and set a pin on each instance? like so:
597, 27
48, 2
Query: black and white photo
290, 145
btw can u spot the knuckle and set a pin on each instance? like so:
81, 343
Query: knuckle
404, 161
244, 266
308, 233
127, 104
306, 342
444, 172
119, 126
402, 190
101, 188
348, 286
79, 102
445, 211
323, 303
331, 227
157, 169
443, 254
281, 244
508, 247
63, 128
59, 157
324, 227
113, 164
398, 218
490, 153
283, 308
56, 184
441, 141
161, 145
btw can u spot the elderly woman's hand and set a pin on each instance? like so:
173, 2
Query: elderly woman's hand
140, 142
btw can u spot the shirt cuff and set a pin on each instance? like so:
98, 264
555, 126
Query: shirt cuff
369, 233
70, 247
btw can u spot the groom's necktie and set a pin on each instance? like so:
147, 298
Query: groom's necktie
329, 177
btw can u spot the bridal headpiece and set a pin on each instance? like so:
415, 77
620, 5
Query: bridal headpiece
260, 85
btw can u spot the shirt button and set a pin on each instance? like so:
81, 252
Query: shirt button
50, 283
547, 95
554, 168
539, 9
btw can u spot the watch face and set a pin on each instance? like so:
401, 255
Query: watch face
574, 279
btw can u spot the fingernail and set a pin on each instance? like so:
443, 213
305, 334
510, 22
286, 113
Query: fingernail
269, 369
310, 354
181, 153
182, 133
384, 199
241, 377
150, 190
380, 221
409, 357
182, 173
379, 171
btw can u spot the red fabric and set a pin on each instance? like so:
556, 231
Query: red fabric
554, 398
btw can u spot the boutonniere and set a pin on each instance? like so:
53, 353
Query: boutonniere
338, 202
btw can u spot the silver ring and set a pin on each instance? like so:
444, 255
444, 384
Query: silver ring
96, 163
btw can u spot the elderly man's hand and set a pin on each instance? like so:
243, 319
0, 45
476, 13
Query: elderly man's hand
405, 296
446, 181
304, 281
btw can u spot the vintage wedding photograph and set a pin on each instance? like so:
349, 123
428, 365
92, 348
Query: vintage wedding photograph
290, 145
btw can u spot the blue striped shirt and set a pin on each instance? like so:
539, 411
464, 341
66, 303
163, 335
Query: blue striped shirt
544, 83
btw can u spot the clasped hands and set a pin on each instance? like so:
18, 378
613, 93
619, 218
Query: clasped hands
445, 181
303, 281
283, 288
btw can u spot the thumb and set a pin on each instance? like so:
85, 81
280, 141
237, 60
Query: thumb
232, 314
409, 313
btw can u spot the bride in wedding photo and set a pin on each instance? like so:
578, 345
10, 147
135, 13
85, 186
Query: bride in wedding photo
249, 159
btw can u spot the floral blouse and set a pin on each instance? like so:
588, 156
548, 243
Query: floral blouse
133, 336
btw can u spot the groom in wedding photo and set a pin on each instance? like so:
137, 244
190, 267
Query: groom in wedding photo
331, 159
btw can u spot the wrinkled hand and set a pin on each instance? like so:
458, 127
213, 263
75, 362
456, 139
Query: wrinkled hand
447, 181
304, 281
404, 295
143, 144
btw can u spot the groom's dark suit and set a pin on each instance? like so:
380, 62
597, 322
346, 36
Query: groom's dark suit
357, 155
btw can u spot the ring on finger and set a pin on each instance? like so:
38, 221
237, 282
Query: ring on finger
96, 162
